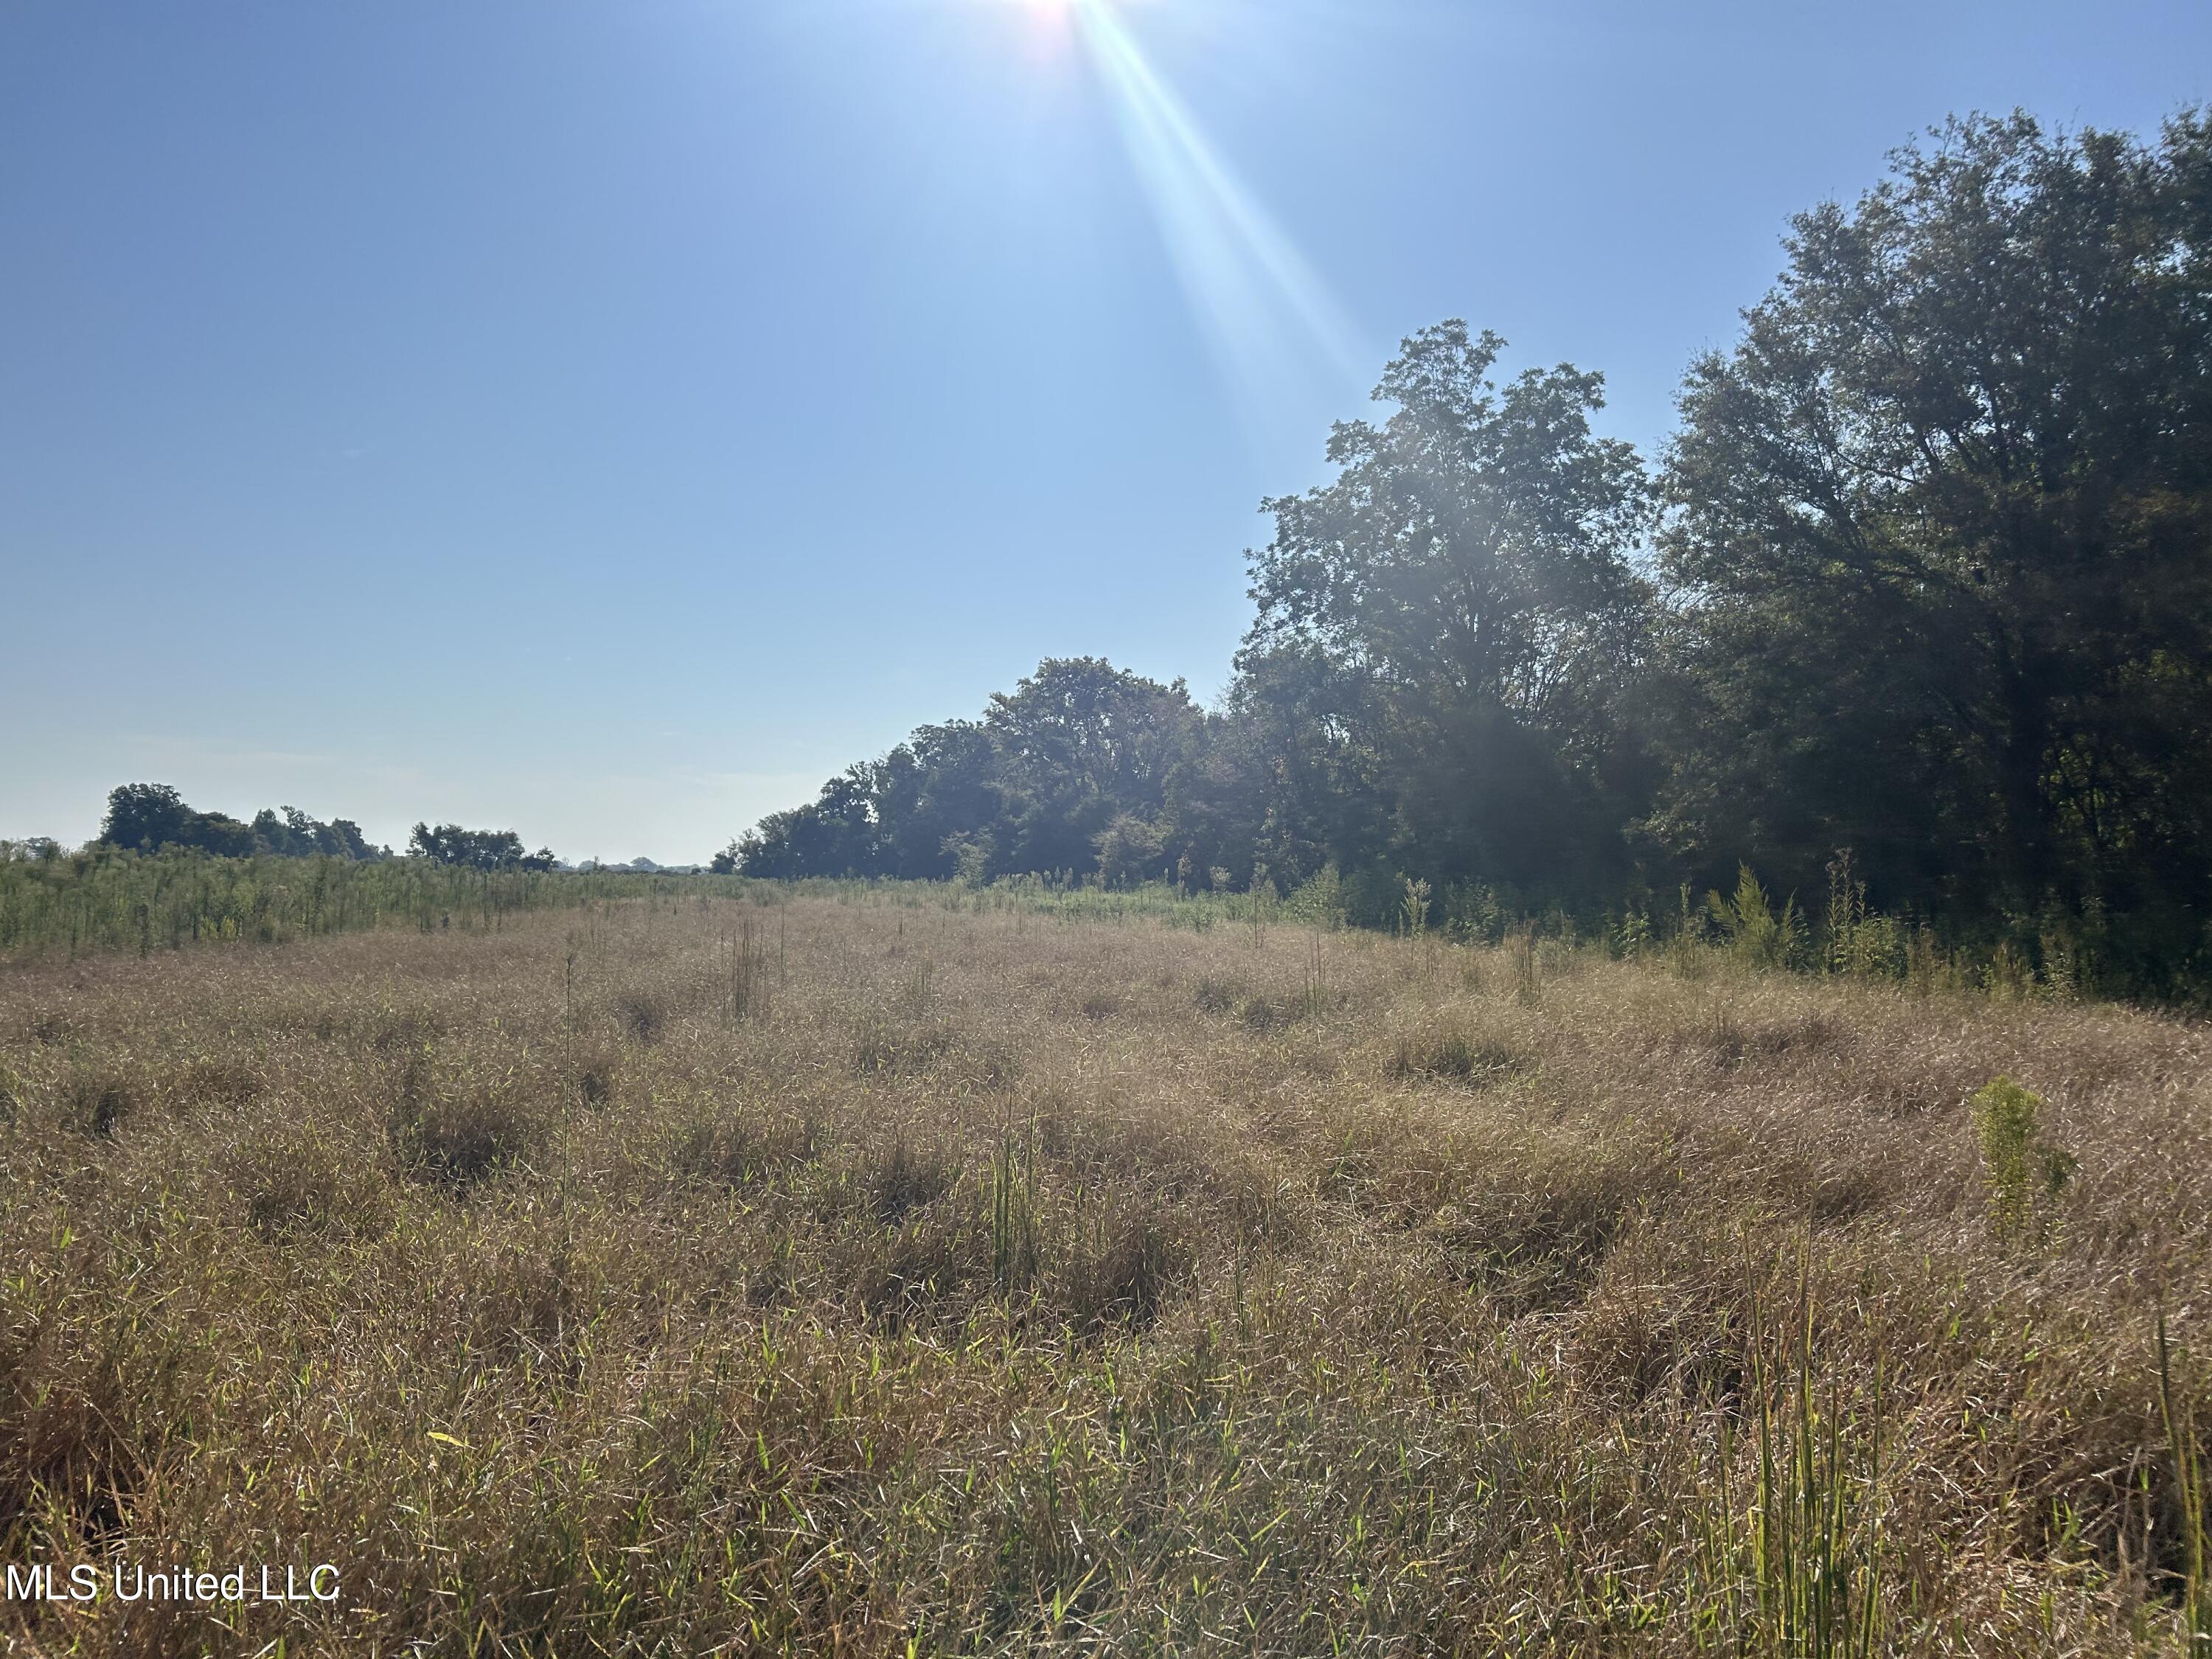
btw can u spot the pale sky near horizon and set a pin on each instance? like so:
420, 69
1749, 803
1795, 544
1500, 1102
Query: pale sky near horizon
607, 419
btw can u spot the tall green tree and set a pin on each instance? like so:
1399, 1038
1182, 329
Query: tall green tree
1452, 615
146, 817
1940, 537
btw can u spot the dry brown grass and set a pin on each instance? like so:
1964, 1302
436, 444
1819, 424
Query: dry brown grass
989, 1283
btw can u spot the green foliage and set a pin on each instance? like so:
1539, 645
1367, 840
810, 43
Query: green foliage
1937, 549
1068, 772
476, 849
1451, 615
1476, 912
1757, 934
1131, 852
2025, 1177
1856, 941
1413, 909
1815, 1519
1316, 902
149, 816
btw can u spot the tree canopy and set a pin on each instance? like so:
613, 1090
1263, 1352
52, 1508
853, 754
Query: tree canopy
147, 816
1940, 538
476, 849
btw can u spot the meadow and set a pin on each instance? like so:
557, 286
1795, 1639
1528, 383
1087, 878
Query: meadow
889, 1271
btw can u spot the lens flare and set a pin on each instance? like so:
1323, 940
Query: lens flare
1266, 311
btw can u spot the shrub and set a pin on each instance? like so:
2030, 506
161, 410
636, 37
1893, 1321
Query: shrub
1757, 934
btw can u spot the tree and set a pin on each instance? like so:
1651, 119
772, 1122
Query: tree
1938, 536
1454, 612
1080, 743
931, 794
146, 817
1029, 788
342, 838
475, 849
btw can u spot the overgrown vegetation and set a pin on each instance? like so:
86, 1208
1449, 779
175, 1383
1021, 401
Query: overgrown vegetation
101, 899
934, 1271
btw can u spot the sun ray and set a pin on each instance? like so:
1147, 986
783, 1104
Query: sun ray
1266, 313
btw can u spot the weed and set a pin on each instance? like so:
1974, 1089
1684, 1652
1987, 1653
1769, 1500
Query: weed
1413, 909
1011, 1186
1527, 966
745, 964
101, 1099
2189, 1497
1856, 941
2025, 1177
464, 1131
1816, 1536
1757, 934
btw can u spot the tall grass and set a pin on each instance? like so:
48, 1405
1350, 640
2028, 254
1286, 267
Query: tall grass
1816, 1536
2194, 1518
107, 899
1007, 1280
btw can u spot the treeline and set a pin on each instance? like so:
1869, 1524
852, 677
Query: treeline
476, 849
1925, 576
148, 817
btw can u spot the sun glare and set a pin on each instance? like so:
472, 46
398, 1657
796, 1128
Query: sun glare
1266, 311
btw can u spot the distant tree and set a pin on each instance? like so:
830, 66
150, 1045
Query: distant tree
146, 816
1939, 537
932, 793
224, 836
724, 862
279, 837
1080, 743
342, 838
1030, 787
475, 849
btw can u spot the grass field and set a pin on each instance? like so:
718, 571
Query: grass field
873, 1277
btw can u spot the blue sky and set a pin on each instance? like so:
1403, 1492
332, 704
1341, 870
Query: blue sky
609, 419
